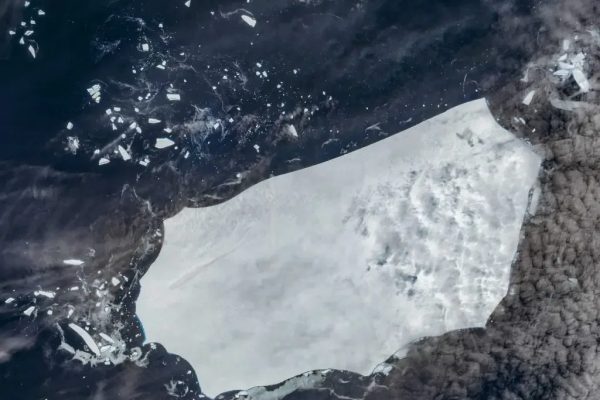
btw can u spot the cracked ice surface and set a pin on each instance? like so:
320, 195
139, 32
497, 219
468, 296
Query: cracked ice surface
341, 264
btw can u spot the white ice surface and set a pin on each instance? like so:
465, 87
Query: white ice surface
341, 264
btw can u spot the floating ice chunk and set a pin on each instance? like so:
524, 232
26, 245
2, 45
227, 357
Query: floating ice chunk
73, 144
168, 130
249, 20
257, 148
564, 65
162, 143
41, 12
31, 51
12, 33
28, 32
154, 121
89, 341
115, 281
145, 47
106, 337
566, 44
188, 3
94, 92
49, 312
562, 73
383, 368
291, 129
529, 97
173, 96
29, 311
103, 161
69, 125
44, 293
124, 153
144, 162
581, 80
9, 300
569, 105
73, 261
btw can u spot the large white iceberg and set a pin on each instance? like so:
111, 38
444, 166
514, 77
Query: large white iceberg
341, 264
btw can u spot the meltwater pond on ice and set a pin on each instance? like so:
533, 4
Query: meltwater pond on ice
342, 264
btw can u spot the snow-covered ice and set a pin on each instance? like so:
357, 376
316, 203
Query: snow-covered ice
342, 264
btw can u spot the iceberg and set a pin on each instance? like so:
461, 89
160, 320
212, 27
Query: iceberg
341, 264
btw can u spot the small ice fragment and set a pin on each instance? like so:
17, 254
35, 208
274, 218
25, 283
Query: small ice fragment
383, 368
22, 40
145, 47
173, 96
249, 20
29, 311
115, 281
108, 111
144, 162
86, 338
49, 312
570, 105
168, 130
124, 154
257, 148
186, 155
31, 51
73, 261
41, 12
106, 337
69, 313
162, 143
216, 125
188, 3
581, 80
529, 97
562, 72
73, 144
154, 121
44, 293
27, 3
292, 130
566, 44
9, 300
103, 161
12, 33
563, 57
160, 66
69, 125
28, 32
564, 65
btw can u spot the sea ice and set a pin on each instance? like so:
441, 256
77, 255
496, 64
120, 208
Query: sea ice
341, 264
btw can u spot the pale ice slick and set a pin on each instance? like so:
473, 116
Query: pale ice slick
342, 264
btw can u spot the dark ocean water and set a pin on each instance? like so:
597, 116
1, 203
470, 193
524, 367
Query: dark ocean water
342, 73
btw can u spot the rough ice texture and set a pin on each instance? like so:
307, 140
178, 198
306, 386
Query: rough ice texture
341, 264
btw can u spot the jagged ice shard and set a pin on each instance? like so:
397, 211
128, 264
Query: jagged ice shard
342, 264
